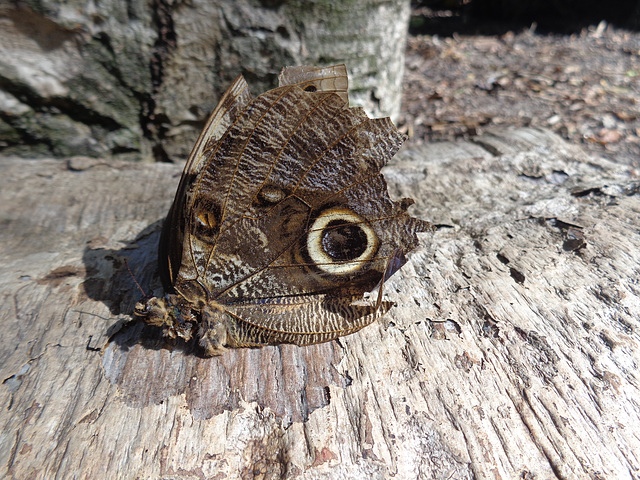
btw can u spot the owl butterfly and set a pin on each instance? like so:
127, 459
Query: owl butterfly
282, 220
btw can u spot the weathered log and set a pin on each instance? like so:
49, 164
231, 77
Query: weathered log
512, 351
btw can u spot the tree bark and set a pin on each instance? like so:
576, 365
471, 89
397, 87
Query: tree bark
137, 80
512, 351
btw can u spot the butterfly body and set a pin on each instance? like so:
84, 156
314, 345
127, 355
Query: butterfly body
282, 219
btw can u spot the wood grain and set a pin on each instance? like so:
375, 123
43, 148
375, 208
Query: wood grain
512, 351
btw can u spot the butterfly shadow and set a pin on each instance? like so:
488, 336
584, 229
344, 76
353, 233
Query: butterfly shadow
288, 380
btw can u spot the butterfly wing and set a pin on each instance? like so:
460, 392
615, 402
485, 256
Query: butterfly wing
318, 79
286, 217
302, 319
234, 100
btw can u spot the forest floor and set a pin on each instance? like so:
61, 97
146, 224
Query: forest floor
583, 86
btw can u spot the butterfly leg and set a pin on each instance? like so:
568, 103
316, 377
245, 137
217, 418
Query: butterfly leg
213, 330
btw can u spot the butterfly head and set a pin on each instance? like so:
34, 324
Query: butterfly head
152, 310
170, 312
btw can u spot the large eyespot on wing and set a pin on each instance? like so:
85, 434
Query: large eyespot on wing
340, 242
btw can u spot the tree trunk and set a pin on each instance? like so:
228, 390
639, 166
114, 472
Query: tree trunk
137, 80
512, 351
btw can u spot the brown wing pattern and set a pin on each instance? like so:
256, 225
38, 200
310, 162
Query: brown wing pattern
302, 320
233, 100
292, 156
318, 79
282, 219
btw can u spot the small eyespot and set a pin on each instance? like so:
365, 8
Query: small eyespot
206, 219
270, 195
340, 241
310, 88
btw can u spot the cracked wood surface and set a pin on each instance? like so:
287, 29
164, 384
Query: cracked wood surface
512, 351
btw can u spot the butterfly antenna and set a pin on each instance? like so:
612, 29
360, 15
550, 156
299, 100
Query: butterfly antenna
134, 278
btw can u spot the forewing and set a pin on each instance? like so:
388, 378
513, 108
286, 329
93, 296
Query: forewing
233, 102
